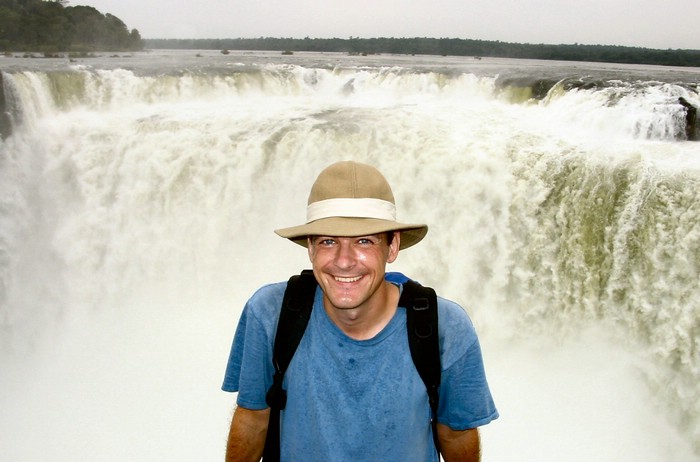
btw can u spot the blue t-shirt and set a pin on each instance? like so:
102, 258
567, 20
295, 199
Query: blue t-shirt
352, 399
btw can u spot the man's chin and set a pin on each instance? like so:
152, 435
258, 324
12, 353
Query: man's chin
345, 305
344, 302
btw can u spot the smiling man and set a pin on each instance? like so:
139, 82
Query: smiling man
353, 390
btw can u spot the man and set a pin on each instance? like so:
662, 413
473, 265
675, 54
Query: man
354, 393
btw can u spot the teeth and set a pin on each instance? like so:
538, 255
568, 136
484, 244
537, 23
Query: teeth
355, 279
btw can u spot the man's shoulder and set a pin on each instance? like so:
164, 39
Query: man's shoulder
449, 312
266, 301
457, 332
452, 313
452, 318
271, 290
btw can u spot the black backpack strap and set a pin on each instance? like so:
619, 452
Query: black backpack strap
424, 341
294, 316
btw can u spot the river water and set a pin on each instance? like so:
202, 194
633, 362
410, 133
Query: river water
138, 194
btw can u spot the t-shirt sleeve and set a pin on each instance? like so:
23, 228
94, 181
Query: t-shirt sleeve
465, 398
249, 369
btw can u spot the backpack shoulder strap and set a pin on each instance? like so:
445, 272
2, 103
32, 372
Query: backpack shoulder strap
294, 316
424, 342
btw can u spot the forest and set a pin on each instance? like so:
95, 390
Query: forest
49, 26
444, 47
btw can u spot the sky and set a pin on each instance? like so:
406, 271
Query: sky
643, 23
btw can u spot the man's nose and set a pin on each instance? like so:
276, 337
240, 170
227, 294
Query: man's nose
345, 256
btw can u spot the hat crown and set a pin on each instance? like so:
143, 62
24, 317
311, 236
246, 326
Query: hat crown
351, 180
350, 199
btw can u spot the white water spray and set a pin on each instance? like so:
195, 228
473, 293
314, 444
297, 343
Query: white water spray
137, 217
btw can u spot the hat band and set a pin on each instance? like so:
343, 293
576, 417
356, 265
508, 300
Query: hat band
365, 207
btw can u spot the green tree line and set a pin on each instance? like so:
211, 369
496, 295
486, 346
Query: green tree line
51, 26
445, 46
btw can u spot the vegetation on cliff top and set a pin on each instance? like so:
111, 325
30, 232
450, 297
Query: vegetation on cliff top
444, 46
50, 26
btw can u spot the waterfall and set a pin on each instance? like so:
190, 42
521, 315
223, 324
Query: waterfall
136, 217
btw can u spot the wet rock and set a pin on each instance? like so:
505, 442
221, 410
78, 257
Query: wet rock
5, 120
691, 120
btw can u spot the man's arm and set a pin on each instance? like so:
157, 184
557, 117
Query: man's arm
459, 445
246, 438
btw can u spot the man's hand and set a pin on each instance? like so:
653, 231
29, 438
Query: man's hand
246, 439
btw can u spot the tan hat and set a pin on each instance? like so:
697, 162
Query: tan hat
352, 199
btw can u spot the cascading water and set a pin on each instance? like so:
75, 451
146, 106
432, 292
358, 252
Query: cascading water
138, 198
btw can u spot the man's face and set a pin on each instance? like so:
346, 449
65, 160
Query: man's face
350, 270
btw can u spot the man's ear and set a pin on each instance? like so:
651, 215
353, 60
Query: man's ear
394, 247
309, 248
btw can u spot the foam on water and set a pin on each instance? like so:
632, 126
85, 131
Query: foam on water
136, 218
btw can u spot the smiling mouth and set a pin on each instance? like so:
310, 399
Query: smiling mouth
354, 279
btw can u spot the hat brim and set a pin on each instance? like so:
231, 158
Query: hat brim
411, 234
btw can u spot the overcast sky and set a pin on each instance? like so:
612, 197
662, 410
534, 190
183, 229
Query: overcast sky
646, 23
